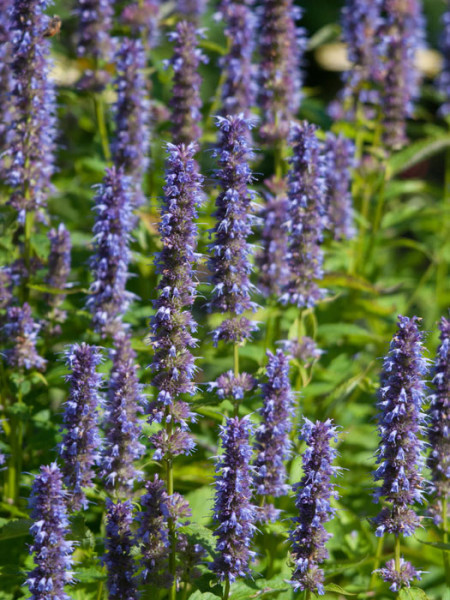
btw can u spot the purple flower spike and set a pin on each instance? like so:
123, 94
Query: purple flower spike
401, 35
232, 386
59, 262
30, 149
132, 115
21, 331
314, 492
52, 552
272, 442
439, 426
304, 350
229, 264
143, 18
443, 82
399, 579
121, 581
360, 22
239, 90
6, 79
400, 460
306, 218
281, 46
153, 533
339, 153
124, 402
81, 444
186, 102
108, 300
173, 325
274, 270
191, 9
94, 39
233, 511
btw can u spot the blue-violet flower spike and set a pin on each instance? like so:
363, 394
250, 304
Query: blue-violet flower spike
339, 153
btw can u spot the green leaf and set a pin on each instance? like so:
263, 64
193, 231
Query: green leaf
332, 587
412, 594
200, 535
416, 153
198, 595
90, 575
15, 529
439, 545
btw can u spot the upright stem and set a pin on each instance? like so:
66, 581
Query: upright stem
441, 273
445, 540
376, 564
397, 553
226, 590
101, 122
171, 524
236, 373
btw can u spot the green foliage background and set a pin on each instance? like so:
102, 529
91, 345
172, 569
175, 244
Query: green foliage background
398, 263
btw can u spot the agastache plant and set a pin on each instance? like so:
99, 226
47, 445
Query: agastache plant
239, 87
306, 221
281, 46
439, 429
119, 560
108, 299
81, 445
59, 262
313, 501
123, 403
31, 145
272, 443
132, 115
21, 331
186, 102
443, 81
52, 552
402, 34
230, 250
400, 459
94, 39
143, 17
6, 80
339, 153
234, 513
271, 259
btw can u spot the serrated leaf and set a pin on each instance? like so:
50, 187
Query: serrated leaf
416, 153
15, 529
412, 594
90, 575
198, 595
201, 535
439, 545
333, 587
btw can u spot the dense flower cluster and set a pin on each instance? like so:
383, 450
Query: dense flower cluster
443, 81
304, 350
52, 552
108, 299
186, 102
123, 402
94, 39
20, 330
400, 578
239, 87
6, 80
339, 152
132, 115
173, 325
439, 426
281, 46
313, 495
233, 511
121, 580
229, 263
272, 443
143, 17
232, 386
31, 148
306, 217
80, 445
271, 259
59, 262
402, 33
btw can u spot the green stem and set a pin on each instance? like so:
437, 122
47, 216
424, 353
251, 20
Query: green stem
445, 540
278, 160
171, 523
101, 122
441, 273
236, 374
226, 590
307, 594
397, 553
376, 564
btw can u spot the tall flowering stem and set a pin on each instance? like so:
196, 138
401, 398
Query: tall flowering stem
143, 17
81, 444
121, 569
31, 147
339, 152
234, 513
186, 102
402, 33
439, 436
400, 459
306, 218
239, 86
443, 82
173, 326
59, 262
123, 403
191, 9
52, 552
313, 495
6, 79
94, 39
132, 115
281, 46
272, 443
108, 299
